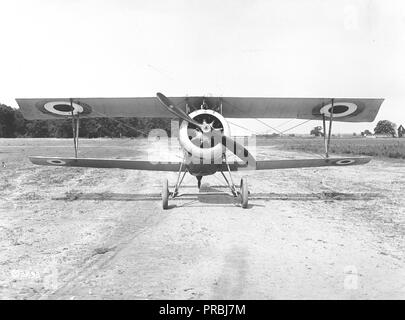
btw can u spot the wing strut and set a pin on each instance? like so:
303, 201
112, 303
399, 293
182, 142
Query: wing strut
75, 128
326, 138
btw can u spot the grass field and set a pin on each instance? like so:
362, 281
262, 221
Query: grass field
380, 147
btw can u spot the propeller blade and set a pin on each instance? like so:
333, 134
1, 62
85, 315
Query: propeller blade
239, 150
176, 111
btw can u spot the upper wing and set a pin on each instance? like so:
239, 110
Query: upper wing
42, 109
351, 110
106, 163
299, 163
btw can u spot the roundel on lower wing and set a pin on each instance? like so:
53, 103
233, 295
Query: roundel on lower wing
56, 162
64, 108
345, 162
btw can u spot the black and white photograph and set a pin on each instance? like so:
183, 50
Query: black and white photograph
190, 150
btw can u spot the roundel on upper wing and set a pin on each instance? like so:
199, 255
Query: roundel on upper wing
340, 109
64, 108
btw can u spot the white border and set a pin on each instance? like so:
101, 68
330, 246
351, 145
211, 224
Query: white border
50, 106
352, 108
56, 162
345, 162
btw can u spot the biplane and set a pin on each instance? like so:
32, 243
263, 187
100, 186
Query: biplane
204, 133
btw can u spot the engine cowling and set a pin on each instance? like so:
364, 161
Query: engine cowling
204, 145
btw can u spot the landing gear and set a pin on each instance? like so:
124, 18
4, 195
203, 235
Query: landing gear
165, 188
165, 194
240, 192
244, 192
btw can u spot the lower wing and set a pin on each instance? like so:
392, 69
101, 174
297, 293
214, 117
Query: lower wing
299, 163
175, 166
106, 163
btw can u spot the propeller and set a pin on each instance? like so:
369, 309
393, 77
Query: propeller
235, 147
177, 111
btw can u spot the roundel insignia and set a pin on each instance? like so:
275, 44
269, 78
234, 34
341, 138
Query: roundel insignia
64, 108
56, 162
345, 162
339, 109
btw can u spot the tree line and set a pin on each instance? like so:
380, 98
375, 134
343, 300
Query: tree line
384, 127
13, 125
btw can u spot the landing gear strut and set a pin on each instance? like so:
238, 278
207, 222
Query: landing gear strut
243, 190
165, 187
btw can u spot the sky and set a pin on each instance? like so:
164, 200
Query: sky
269, 48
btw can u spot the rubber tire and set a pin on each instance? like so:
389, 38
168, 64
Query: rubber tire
244, 192
165, 194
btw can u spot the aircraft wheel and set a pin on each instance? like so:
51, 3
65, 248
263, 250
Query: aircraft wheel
165, 194
244, 192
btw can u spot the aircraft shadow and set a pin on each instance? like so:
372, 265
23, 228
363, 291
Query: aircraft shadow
223, 197
220, 198
324, 196
109, 196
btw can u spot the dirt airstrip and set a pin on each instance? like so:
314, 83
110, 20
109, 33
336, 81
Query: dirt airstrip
76, 233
